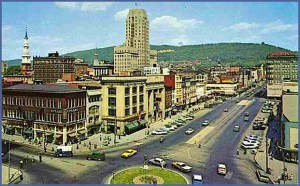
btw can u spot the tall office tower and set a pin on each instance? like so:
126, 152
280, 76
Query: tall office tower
135, 53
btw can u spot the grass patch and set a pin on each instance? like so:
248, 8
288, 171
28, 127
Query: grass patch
127, 176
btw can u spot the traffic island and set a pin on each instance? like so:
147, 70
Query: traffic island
151, 175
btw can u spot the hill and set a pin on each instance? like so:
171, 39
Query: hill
224, 52
228, 53
14, 62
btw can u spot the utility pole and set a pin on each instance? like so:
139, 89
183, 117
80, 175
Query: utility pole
267, 164
115, 130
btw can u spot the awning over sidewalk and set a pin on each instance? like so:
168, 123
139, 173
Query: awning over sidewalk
143, 122
131, 127
28, 131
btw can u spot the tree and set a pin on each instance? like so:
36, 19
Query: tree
13, 70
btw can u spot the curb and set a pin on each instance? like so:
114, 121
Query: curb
110, 177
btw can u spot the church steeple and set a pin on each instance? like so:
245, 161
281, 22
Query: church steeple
96, 62
26, 37
26, 65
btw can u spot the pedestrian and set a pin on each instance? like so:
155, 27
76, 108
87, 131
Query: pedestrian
291, 177
21, 175
40, 157
237, 152
21, 164
77, 147
162, 165
100, 137
113, 174
199, 145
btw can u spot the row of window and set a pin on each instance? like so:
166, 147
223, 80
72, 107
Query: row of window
112, 111
94, 99
50, 117
25, 101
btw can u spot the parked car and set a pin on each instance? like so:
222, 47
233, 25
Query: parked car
179, 124
181, 166
265, 111
247, 145
180, 120
99, 156
252, 141
226, 110
253, 137
159, 132
189, 131
157, 162
246, 118
190, 115
236, 128
197, 180
128, 153
205, 122
222, 169
183, 119
189, 118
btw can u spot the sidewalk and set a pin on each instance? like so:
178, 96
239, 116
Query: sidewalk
14, 175
276, 165
95, 139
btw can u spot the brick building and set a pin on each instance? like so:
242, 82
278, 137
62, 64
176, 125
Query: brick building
54, 112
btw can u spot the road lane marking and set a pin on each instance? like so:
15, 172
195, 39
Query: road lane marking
200, 135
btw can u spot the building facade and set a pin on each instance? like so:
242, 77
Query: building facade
4, 66
26, 64
124, 104
135, 54
55, 113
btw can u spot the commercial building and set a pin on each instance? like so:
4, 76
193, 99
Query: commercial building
281, 67
124, 104
222, 89
289, 126
169, 81
55, 113
102, 68
135, 54
151, 70
50, 69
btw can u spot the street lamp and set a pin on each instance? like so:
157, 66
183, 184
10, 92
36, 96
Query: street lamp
115, 130
45, 150
267, 159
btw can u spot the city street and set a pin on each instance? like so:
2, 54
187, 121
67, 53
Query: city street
218, 145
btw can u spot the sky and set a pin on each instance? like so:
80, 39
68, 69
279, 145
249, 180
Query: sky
73, 26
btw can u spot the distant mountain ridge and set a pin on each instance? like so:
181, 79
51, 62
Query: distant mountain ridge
224, 52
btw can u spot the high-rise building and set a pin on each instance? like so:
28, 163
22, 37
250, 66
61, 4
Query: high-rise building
135, 53
26, 65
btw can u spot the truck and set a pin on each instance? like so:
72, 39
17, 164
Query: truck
64, 151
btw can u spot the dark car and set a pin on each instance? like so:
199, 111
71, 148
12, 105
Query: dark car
99, 156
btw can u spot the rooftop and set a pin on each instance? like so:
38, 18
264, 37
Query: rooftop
44, 88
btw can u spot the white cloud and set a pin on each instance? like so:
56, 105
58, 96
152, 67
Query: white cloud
167, 23
121, 15
278, 26
243, 26
6, 28
85, 6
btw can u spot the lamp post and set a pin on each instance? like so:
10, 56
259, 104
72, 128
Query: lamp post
115, 130
267, 159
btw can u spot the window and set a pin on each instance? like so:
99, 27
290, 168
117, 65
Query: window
127, 91
127, 101
134, 110
141, 98
141, 108
112, 91
133, 90
127, 112
141, 89
134, 100
112, 112
112, 102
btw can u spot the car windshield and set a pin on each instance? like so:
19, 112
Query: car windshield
129, 151
182, 164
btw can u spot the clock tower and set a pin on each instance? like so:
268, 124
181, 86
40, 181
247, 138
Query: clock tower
26, 64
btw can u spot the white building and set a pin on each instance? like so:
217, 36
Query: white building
151, 70
222, 89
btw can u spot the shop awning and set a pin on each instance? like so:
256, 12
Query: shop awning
143, 122
72, 134
131, 127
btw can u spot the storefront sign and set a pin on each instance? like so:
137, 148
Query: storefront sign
55, 111
72, 110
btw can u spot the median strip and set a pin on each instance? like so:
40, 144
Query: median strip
200, 135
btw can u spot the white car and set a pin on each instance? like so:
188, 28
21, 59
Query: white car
253, 137
252, 141
174, 126
157, 162
222, 169
159, 132
205, 122
183, 119
189, 131
169, 127
247, 145
189, 118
